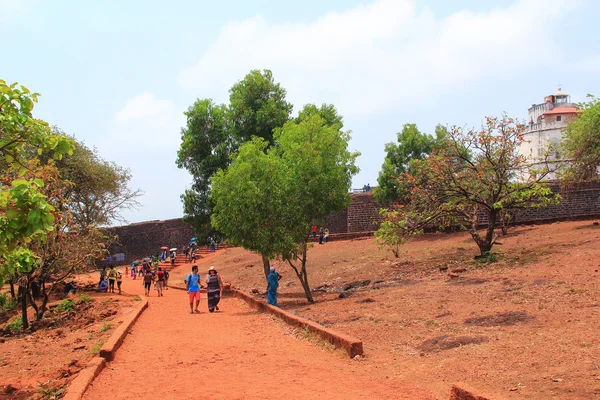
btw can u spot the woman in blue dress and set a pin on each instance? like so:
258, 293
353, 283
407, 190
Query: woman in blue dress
273, 281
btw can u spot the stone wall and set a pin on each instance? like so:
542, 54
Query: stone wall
141, 239
144, 238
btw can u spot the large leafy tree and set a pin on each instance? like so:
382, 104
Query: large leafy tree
581, 143
412, 145
477, 175
214, 132
267, 202
26, 214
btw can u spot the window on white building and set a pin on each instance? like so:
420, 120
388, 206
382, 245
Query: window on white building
559, 118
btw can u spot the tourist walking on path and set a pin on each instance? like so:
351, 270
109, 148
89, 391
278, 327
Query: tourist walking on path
273, 281
147, 281
112, 278
160, 280
119, 280
166, 284
214, 289
192, 285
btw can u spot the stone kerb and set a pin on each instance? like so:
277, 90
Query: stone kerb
352, 346
86, 376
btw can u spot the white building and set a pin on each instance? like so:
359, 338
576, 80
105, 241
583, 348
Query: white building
546, 123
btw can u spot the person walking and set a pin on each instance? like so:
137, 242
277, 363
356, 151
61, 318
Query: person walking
147, 281
192, 285
172, 258
321, 234
214, 289
166, 284
119, 279
273, 281
160, 280
112, 278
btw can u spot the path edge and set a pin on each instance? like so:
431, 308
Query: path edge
352, 346
86, 376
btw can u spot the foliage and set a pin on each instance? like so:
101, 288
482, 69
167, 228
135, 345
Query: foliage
26, 214
15, 326
477, 174
65, 306
45, 391
401, 157
84, 299
268, 199
99, 189
105, 327
95, 349
581, 143
7, 303
257, 105
400, 223
214, 132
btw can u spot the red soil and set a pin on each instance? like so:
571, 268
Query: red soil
236, 353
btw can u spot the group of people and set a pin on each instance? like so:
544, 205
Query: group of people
108, 279
214, 289
323, 234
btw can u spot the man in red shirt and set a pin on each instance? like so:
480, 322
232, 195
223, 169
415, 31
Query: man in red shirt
160, 280
314, 231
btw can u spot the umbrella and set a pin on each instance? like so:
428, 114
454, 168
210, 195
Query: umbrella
173, 249
193, 239
136, 263
164, 248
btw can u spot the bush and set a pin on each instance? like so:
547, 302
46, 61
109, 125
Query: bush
85, 299
7, 302
15, 325
65, 306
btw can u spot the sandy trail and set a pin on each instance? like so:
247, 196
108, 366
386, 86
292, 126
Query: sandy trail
236, 353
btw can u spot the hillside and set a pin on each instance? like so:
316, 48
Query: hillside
523, 327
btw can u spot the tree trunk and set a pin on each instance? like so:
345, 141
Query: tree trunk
42, 309
304, 276
12, 289
23, 298
485, 245
266, 265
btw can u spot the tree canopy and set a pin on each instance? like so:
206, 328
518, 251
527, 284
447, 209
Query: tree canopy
269, 197
581, 143
257, 106
412, 145
473, 179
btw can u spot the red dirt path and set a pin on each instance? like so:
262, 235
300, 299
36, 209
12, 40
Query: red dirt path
236, 353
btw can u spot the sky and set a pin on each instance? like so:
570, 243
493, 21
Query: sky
118, 75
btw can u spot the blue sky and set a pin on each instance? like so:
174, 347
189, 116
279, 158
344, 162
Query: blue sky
119, 74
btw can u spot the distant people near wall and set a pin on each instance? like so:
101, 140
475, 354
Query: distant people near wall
186, 253
110, 260
314, 231
321, 234
368, 187
172, 258
163, 256
326, 235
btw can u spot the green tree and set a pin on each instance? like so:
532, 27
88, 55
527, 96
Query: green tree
26, 215
257, 105
99, 190
214, 132
581, 143
412, 145
267, 202
476, 175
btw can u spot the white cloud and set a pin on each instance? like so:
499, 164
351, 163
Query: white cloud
144, 105
382, 55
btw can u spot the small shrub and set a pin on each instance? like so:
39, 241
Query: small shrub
85, 299
95, 349
105, 327
15, 325
7, 302
65, 306
49, 392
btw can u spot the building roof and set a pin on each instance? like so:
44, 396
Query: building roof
559, 92
563, 110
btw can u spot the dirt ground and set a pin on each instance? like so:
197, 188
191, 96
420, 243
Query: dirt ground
524, 327
38, 365
235, 353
